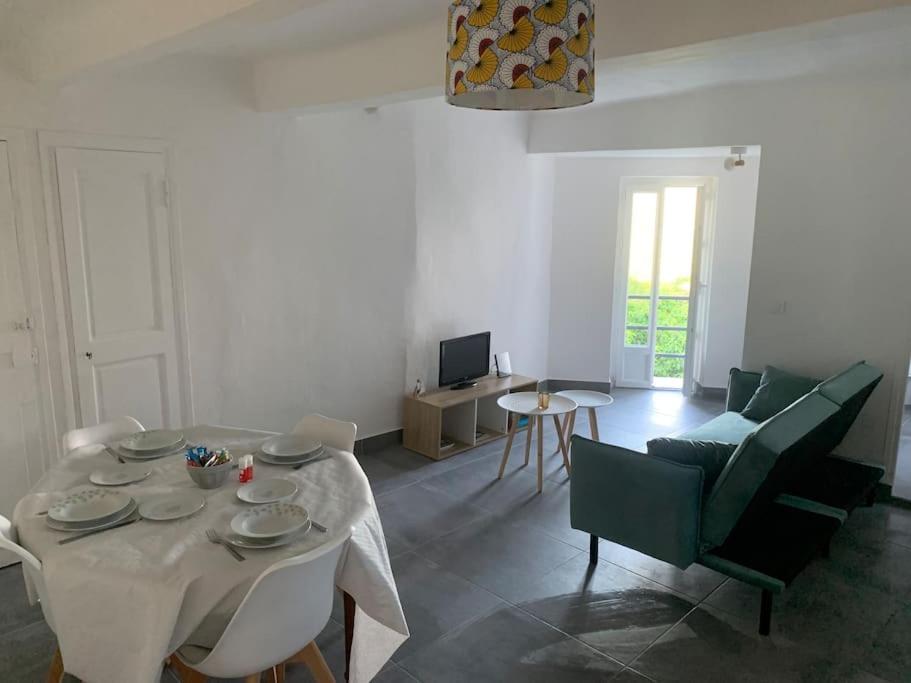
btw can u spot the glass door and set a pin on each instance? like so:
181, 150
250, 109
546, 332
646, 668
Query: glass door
662, 225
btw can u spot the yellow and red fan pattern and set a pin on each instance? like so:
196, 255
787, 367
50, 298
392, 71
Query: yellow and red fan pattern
521, 45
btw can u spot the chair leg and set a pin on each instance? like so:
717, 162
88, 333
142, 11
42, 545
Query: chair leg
313, 658
765, 613
187, 674
593, 549
55, 671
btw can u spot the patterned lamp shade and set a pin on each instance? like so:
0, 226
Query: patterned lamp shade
520, 54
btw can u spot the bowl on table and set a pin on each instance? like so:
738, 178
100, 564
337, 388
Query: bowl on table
211, 477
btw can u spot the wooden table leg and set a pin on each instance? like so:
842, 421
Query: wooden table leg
350, 606
570, 425
593, 422
529, 432
512, 435
540, 453
562, 441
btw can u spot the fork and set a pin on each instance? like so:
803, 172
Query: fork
213, 537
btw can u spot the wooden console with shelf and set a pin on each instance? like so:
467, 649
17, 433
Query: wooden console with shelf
467, 417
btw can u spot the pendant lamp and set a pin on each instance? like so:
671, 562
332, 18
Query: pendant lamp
520, 54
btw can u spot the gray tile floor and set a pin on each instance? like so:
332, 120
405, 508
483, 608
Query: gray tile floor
497, 587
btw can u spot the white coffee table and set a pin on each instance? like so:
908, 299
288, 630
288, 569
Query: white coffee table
585, 399
526, 403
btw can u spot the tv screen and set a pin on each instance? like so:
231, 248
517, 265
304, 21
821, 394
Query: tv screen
464, 359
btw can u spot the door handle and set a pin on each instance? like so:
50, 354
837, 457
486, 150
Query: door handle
89, 355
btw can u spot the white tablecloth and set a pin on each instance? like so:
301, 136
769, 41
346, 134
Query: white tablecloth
125, 599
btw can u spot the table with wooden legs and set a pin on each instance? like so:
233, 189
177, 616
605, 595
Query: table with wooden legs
584, 399
526, 403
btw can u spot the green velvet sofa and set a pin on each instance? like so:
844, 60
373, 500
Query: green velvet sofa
775, 506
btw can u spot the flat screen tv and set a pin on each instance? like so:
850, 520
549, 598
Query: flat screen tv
463, 360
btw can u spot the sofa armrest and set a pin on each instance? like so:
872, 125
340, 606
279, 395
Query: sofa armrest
741, 387
637, 500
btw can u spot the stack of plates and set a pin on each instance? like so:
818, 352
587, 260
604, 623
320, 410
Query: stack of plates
290, 449
90, 509
268, 526
156, 443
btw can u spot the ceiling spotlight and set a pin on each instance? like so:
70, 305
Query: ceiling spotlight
730, 163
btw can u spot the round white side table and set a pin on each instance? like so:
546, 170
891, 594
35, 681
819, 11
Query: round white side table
585, 399
526, 403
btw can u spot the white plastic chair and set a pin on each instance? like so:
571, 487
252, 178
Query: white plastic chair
105, 432
31, 567
332, 433
284, 610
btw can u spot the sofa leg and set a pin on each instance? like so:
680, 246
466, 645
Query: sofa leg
765, 613
593, 549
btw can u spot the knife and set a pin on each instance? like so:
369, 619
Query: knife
113, 454
84, 534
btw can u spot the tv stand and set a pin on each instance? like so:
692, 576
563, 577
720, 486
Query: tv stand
468, 417
463, 385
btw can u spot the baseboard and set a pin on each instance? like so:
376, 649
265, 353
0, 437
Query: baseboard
378, 442
713, 393
554, 385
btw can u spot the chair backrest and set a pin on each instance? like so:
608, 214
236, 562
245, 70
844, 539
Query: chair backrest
285, 609
333, 433
101, 433
31, 566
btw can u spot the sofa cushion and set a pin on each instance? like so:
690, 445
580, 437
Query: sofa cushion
844, 386
777, 390
741, 387
711, 456
791, 432
728, 427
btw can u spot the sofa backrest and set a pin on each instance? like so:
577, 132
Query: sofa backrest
780, 450
745, 476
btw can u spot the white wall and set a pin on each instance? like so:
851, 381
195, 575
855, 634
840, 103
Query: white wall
832, 229
586, 207
315, 247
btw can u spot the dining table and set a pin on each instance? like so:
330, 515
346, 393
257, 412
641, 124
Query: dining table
124, 599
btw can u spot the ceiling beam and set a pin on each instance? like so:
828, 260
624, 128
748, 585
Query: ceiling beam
408, 63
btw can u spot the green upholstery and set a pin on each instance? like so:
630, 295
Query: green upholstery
846, 385
754, 460
741, 387
711, 456
728, 427
638, 501
777, 390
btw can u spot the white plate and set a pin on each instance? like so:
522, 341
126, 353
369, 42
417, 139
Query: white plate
267, 491
277, 542
290, 446
119, 475
269, 521
287, 462
147, 456
98, 524
172, 506
89, 505
152, 440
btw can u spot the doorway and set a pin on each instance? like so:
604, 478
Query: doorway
659, 279
119, 282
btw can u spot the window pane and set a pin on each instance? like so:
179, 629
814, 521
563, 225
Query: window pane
637, 337
642, 242
678, 230
669, 367
673, 313
670, 341
637, 311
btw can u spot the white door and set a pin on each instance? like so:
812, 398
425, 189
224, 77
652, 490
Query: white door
117, 245
654, 330
21, 447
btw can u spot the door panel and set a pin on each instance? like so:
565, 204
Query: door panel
21, 442
117, 244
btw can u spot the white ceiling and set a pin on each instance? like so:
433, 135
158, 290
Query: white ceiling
325, 25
